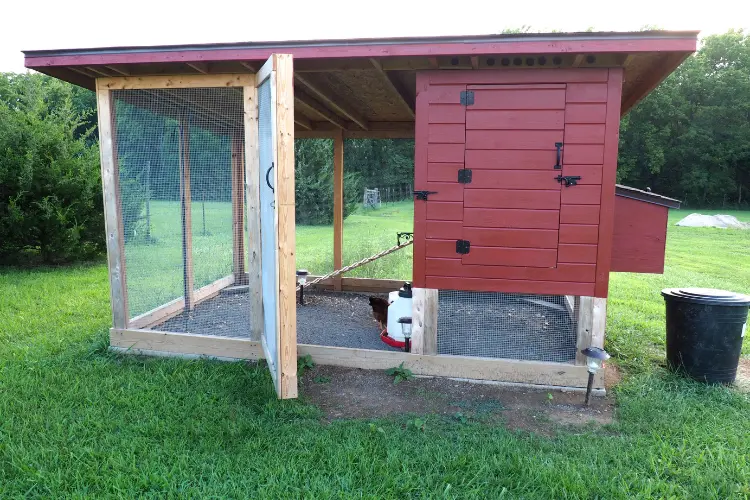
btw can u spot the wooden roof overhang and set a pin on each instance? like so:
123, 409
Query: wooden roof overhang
367, 87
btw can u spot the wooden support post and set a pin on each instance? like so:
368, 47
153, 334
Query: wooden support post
286, 265
187, 217
592, 320
252, 201
112, 208
338, 205
424, 321
238, 211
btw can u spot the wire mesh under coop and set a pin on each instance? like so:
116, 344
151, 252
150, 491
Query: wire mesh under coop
505, 325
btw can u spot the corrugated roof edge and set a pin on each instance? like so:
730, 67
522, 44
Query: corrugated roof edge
647, 196
572, 36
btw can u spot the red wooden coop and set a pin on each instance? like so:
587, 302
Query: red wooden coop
518, 220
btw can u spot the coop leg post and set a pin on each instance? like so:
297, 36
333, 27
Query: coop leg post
238, 226
338, 205
592, 321
424, 321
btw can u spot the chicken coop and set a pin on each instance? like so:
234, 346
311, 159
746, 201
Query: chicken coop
518, 220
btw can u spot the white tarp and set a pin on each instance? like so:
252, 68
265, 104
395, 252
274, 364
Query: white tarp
722, 221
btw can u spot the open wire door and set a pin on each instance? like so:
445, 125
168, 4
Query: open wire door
275, 177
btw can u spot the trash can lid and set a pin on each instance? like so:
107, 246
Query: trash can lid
709, 296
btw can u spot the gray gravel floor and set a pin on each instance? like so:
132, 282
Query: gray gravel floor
469, 324
327, 318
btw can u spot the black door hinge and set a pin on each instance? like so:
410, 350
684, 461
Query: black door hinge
467, 97
463, 246
568, 180
422, 195
464, 176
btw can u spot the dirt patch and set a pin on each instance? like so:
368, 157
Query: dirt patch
743, 375
343, 393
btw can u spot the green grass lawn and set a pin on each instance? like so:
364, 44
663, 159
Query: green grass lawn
78, 421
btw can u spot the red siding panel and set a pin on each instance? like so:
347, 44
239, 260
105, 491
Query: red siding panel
514, 257
444, 94
510, 218
584, 273
585, 113
437, 210
421, 129
441, 248
581, 195
516, 179
512, 198
579, 233
510, 159
444, 153
447, 133
609, 174
517, 286
444, 172
589, 174
584, 134
581, 254
579, 214
587, 92
640, 236
511, 238
445, 191
444, 230
583, 154
519, 99
513, 139
447, 113
515, 119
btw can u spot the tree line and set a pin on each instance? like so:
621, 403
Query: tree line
689, 139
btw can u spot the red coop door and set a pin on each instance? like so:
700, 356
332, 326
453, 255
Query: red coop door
495, 217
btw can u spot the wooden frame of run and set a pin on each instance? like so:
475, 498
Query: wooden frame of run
112, 202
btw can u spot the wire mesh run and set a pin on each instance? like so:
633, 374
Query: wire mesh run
180, 156
505, 325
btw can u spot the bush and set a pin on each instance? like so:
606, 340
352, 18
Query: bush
50, 184
313, 183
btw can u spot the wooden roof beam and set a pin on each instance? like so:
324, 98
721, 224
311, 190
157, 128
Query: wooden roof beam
119, 70
84, 72
200, 67
302, 121
304, 98
97, 71
396, 86
249, 66
332, 103
667, 63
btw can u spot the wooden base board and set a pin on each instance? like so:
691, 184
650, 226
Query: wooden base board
364, 285
504, 370
173, 308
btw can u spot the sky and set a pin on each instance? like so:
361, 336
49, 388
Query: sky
60, 24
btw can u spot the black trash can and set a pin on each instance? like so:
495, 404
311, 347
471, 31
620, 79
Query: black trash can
705, 329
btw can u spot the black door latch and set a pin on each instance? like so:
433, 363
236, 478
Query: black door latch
463, 247
422, 195
568, 180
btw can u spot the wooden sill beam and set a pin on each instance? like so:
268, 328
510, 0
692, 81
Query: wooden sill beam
396, 87
332, 102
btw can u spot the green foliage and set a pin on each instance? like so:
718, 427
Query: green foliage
400, 374
304, 363
313, 183
50, 187
690, 138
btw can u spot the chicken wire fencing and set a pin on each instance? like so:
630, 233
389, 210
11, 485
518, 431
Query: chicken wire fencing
507, 325
180, 155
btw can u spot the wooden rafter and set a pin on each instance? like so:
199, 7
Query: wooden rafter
668, 63
200, 67
303, 121
97, 71
306, 100
332, 102
119, 70
84, 72
252, 67
396, 86
432, 63
474, 62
